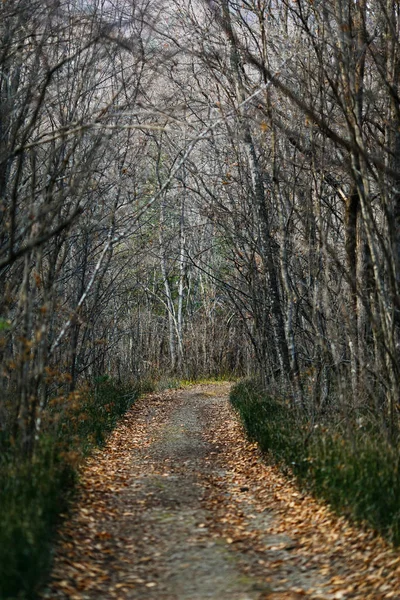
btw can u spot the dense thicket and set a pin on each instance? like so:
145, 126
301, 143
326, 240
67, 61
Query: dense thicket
96, 214
291, 133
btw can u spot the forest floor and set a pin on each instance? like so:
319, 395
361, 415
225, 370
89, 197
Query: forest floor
179, 505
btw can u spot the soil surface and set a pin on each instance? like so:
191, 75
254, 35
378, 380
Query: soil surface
179, 506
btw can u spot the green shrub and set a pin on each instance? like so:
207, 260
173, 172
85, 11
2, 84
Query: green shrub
90, 415
34, 492
355, 470
268, 421
358, 477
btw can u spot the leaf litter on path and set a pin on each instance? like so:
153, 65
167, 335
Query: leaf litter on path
179, 505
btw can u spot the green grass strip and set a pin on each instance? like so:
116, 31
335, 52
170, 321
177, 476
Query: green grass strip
34, 492
352, 468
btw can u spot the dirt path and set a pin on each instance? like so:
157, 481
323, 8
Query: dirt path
180, 506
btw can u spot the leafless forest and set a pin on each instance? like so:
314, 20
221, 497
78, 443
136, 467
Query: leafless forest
200, 188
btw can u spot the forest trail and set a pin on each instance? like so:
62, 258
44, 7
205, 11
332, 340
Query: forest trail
179, 506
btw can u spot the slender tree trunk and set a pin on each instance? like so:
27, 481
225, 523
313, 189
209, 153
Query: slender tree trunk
168, 292
181, 284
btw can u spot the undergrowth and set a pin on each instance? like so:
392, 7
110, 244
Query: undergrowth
353, 468
34, 492
162, 383
208, 380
